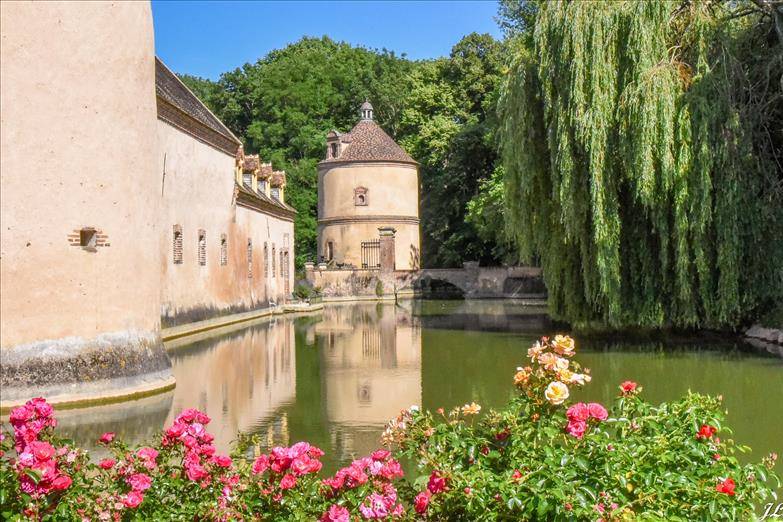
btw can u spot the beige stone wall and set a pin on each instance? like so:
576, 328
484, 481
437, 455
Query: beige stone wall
78, 142
393, 200
198, 196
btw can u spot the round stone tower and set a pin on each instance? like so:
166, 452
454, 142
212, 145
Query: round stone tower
79, 257
367, 182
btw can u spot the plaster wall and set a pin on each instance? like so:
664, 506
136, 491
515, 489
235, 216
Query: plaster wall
392, 200
198, 194
78, 115
348, 239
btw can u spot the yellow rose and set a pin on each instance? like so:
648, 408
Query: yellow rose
556, 393
471, 409
521, 377
534, 351
564, 345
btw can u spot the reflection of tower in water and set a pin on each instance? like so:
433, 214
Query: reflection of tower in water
371, 369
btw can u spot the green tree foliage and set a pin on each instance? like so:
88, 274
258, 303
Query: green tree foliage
283, 105
441, 111
641, 142
449, 125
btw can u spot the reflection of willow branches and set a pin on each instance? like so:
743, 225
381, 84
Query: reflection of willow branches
668, 348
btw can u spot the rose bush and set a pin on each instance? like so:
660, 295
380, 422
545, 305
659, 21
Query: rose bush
538, 458
541, 459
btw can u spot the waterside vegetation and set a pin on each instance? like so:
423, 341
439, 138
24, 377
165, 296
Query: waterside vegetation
540, 457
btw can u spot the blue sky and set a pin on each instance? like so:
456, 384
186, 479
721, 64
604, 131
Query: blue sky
208, 38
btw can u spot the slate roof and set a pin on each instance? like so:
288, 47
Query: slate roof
170, 88
367, 141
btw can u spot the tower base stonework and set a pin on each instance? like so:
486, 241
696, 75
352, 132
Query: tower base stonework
76, 370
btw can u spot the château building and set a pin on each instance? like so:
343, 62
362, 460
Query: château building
126, 206
367, 182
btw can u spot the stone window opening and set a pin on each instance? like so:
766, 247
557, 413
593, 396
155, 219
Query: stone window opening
177, 244
88, 239
202, 247
223, 250
361, 197
266, 260
274, 252
329, 251
334, 150
249, 258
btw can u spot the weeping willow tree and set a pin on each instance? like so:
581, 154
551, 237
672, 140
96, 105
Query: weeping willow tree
641, 144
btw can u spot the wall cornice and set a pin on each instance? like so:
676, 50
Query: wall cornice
368, 218
332, 164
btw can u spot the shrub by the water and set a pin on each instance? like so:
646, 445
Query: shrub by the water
538, 458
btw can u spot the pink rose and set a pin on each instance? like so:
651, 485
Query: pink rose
576, 428
132, 499
222, 460
628, 387
147, 453
380, 454
42, 408
336, 514
139, 482
196, 472
188, 415
261, 464
437, 483
288, 481
20, 415
597, 411
107, 437
421, 502
62, 482
107, 463
578, 412
391, 470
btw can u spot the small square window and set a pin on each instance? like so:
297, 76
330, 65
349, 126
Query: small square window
88, 238
361, 196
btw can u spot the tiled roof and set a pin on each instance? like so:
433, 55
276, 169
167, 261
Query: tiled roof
367, 141
278, 179
250, 163
171, 89
266, 203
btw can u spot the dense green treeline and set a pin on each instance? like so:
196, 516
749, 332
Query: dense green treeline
441, 111
642, 153
634, 149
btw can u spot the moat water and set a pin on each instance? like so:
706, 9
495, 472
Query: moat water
334, 379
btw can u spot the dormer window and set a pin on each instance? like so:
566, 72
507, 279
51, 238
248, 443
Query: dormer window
360, 197
262, 186
247, 179
334, 150
275, 193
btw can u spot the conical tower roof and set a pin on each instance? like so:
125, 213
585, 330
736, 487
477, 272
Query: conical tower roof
367, 141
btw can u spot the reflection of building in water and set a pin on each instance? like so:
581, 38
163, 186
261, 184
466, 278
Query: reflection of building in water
371, 369
240, 380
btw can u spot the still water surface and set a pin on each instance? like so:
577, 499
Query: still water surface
335, 378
